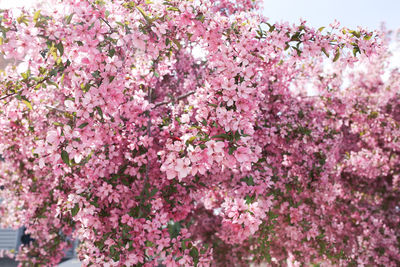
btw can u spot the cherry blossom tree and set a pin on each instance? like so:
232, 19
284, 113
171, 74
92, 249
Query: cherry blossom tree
196, 133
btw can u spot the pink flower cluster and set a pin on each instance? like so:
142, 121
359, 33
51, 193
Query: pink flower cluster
183, 133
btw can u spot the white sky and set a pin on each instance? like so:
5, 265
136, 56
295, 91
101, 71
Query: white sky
16, 3
351, 13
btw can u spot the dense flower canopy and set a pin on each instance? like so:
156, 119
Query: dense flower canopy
195, 133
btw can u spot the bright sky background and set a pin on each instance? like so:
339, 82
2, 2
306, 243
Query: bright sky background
350, 13
16, 3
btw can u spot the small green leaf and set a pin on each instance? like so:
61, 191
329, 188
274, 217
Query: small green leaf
36, 16
25, 75
249, 199
194, 252
237, 136
177, 43
337, 55
65, 157
91, 26
111, 53
356, 34
172, 8
191, 139
373, 115
60, 48
69, 18
248, 180
99, 111
52, 83
147, 18
75, 210
223, 136
367, 36
153, 192
83, 125
174, 228
324, 51
27, 104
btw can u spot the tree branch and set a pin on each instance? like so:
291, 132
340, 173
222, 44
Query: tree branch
56, 109
177, 99
108, 24
42, 81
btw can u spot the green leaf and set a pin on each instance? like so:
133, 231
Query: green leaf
248, 180
52, 83
115, 254
223, 136
367, 36
191, 139
83, 125
356, 50
91, 26
174, 228
373, 115
147, 18
75, 210
148, 243
337, 55
36, 16
324, 51
172, 8
65, 157
69, 18
111, 53
99, 111
194, 252
249, 199
25, 75
153, 192
60, 48
356, 34
27, 104
237, 136
177, 43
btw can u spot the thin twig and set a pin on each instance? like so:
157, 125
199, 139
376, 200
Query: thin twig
56, 109
108, 24
4, 97
42, 81
177, 99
